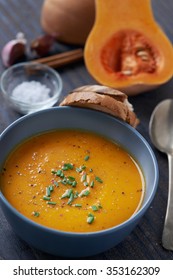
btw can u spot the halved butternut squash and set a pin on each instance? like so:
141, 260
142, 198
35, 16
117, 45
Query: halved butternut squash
126, 49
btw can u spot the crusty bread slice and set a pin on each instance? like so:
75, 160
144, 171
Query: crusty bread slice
118, 95
103, 99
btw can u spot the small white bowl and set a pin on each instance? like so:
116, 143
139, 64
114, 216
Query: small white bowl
28, 72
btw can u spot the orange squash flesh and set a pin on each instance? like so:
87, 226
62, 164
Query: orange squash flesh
126, 49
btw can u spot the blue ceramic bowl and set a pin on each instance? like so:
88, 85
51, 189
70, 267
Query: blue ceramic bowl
69, 244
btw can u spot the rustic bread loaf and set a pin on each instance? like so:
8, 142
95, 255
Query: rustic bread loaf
103, 99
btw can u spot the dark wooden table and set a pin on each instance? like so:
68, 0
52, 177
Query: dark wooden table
145, 241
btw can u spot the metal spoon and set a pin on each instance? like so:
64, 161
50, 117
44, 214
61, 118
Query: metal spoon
161, 133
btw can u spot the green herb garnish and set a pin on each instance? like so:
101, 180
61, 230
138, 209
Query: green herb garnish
98, 179
85, 192
46, 197
71, 181
51, 188
74, 184
90, 218
71, 178
64, 181
48, 191
86, 158
67, 166
67, 193
92, 184
59, 172
83, 178
51, 202
80, 169
36, 214
56, 184
62, 175
94, 208
71, 198
76, 194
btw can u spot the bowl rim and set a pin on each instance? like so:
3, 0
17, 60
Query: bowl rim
127, 222
53, 72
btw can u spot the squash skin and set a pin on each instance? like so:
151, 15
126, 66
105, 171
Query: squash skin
127, 19
69, 21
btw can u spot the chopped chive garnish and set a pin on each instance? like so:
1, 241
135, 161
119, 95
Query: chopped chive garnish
94, 208
69, 182
71, 178
51, 202
64, 168
48, 191
78, 205
83, 178
36, 214
80, 169
90, 218
59, 172
46, 197
64, 181
67, 193
98, 179
62, 175
51, 188
67, 166
86, 157
56, 184
76, 194
74, 184
70, 199
84, 192
92, 184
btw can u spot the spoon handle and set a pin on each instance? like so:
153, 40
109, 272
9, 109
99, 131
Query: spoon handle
167, 237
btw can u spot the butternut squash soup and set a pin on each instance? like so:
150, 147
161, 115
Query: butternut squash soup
73, 181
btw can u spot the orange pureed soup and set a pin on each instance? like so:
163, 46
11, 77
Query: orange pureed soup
73, 181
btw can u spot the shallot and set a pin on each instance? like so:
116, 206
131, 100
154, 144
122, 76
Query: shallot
14, 50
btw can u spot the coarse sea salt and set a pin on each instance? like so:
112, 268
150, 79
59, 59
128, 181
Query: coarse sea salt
31, 92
